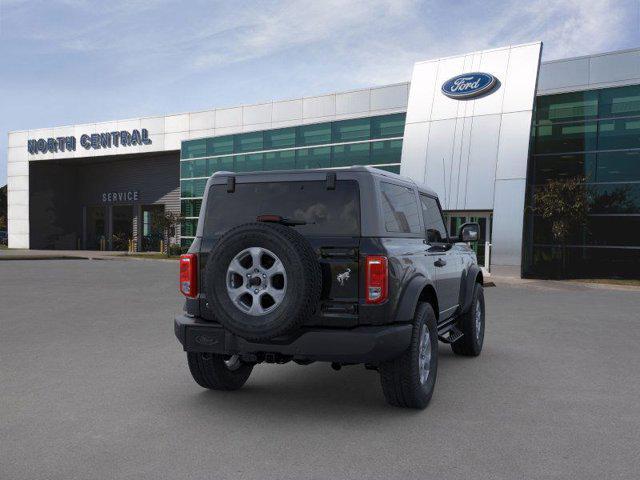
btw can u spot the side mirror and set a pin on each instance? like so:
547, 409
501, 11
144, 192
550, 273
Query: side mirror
469, 232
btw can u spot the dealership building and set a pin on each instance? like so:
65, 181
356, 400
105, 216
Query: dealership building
486, 130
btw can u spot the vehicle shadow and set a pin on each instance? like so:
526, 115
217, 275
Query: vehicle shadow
286, 392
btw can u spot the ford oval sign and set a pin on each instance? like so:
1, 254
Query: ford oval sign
469, 85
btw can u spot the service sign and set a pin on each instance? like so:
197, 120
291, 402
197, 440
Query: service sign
93, 141
119, 197
469, 85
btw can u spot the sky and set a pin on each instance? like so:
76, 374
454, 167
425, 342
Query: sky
65, 62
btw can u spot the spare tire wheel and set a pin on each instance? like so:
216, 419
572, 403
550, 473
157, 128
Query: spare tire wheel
262, 280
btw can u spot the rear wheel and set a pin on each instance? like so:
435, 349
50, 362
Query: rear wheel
472, 326
409, 380
218, 372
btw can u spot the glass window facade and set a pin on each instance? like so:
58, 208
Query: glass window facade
373, 141
593, 135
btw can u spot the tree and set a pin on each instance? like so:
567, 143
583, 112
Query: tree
166, 223
565, 204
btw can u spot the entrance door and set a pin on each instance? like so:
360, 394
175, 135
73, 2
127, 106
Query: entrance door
151, 231
456, 219
122, 227
96, 227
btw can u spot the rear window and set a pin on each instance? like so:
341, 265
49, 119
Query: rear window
327, 212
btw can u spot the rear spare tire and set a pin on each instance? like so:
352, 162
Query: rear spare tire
262, 280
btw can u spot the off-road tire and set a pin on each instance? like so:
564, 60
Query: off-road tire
400, 377
210, 371
470, 344
304, 280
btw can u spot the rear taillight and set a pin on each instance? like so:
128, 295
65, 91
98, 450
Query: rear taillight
377, 279
189, 275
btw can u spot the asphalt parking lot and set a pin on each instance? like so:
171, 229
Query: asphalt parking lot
94, 385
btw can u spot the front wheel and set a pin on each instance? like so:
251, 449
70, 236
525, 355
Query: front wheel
409, 380
218, 372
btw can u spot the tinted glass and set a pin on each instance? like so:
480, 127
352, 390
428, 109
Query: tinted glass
567, 107
220, 145
191, 208
573, 137
313, 134
400, 208
248, 142
388, 151
249, 163
354, 154
284, 160
550, 167
618, 166
319, 157
194, 148
433, 223
388, 126
327, 212
351, 130
620, 102
280, 138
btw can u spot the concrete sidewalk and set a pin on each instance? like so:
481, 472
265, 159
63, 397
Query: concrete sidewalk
22, 254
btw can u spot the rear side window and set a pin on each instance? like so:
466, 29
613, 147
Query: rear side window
327, 212
433, 223
399, 208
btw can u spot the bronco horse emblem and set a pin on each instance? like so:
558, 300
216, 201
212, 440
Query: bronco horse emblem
343, 277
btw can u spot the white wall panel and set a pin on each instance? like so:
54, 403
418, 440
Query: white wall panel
210, 132
17, 154
481, 169
176, 123
18, 227
508, 213
202, 120
414, 151
443, 106
442, 134
18, 139
173, 141
287, 110
18, 183
513, 145
393, 96
154, 125
423, 86
520, 83
18, 240
494, 62
257, 114
17, 168
314, 107
352, 102
228, 117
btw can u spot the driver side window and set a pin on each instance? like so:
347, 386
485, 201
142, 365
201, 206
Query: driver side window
433, 223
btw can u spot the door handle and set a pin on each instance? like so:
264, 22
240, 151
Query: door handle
441, 262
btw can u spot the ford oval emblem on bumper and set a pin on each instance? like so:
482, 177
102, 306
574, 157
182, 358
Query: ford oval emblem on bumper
469, 85
206, 340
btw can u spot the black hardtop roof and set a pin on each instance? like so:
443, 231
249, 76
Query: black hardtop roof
353, 169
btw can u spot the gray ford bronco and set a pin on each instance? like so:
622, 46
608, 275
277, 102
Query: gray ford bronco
343, 266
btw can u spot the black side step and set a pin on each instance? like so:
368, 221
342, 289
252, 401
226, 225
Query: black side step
449, 334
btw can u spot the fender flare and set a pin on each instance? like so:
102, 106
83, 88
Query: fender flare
468, 282
409, 299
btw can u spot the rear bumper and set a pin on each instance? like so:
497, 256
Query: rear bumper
367, 344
